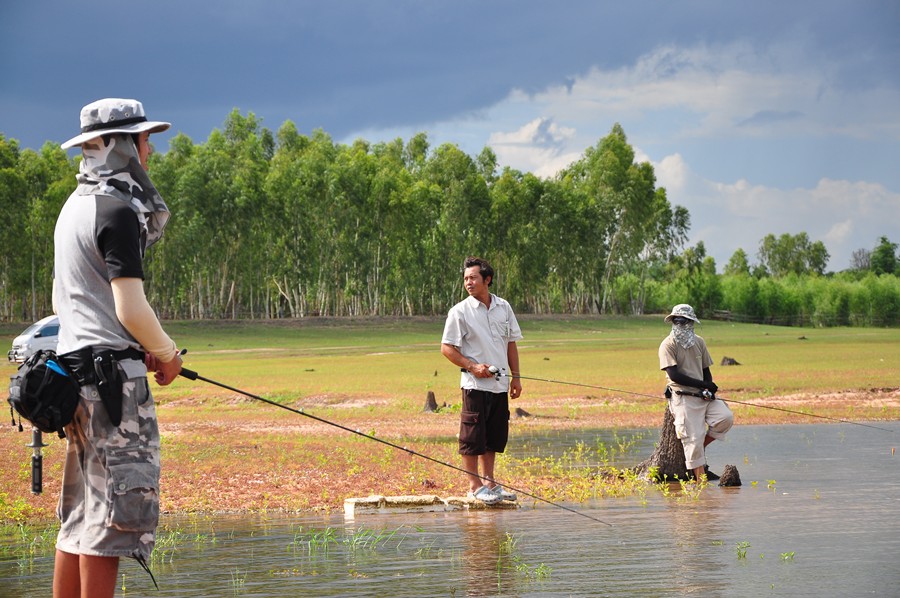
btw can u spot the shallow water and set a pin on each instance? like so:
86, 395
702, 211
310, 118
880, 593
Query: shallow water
822, 519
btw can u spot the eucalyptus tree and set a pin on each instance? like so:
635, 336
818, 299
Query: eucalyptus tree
622, 215
738, 265
219, 207
50, 179
524, 238
298, 184
14, 278
883, 259
696, 282
792, 254
464, 226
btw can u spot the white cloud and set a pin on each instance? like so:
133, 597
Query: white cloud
693, 107
844, 215
671, 172
538, 147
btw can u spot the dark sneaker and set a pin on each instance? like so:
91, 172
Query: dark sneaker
710, 476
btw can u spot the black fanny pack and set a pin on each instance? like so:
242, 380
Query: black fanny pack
101, 367
44, 392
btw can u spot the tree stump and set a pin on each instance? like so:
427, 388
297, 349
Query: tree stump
430, 403
668, 458
730, 476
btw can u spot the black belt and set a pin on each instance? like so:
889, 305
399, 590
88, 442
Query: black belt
699, 395
91, 365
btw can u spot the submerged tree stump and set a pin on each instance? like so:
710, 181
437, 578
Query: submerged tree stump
667, 461
730, 476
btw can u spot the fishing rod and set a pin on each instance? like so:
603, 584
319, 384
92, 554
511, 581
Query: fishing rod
498, 374
192, 375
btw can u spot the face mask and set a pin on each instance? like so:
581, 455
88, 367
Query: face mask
111, 166
684, 335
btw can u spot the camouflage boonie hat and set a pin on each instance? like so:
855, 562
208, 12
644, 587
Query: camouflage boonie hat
682, 310
113, 115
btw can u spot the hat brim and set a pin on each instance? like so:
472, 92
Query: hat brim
150, 125
670, 316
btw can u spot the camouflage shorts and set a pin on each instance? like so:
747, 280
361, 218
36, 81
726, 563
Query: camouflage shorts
109, 504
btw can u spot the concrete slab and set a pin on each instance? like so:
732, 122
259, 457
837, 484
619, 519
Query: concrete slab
429, 503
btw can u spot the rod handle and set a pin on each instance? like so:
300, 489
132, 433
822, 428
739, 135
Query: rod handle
189, 374
37, 474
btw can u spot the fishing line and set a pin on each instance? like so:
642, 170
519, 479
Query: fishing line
641, 394
192, 375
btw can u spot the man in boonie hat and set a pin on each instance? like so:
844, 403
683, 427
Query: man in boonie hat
113, 115
109, 337
699, 417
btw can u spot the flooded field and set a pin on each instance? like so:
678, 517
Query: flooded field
818, 515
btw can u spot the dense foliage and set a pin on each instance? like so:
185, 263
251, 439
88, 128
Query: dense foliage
286, 225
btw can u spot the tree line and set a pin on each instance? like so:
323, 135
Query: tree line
284, 225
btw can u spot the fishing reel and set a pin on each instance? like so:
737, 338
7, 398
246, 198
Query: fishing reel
707, 396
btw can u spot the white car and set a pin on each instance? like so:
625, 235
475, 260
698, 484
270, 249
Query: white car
40, 335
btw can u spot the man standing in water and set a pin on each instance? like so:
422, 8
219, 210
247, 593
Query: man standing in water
700, 418
480, 332
109, 337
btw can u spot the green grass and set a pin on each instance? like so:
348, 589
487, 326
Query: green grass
400, 358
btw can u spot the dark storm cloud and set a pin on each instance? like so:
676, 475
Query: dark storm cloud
346, 66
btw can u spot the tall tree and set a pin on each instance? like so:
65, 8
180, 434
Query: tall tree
792, 254
884, 257
737, 265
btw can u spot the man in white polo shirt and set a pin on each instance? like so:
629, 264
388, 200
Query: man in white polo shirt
480, 332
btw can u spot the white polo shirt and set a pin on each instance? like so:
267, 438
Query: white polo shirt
483, 335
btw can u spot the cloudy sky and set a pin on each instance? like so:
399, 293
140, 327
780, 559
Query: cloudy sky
759, 117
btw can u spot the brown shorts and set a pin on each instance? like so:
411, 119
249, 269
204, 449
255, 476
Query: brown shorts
484, 422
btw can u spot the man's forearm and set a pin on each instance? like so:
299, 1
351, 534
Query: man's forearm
455, 357
677, 377
512, 355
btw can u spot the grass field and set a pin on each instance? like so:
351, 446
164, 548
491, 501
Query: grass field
374, 374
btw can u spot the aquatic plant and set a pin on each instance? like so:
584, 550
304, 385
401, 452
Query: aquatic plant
362, 539
508, 547
787, 556
742, 549
314, 541
692, 489
167, 542
238, 579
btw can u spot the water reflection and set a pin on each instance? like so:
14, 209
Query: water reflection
697, 523
819, 513
487, 556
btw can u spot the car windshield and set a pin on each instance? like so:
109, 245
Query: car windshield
31, 329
